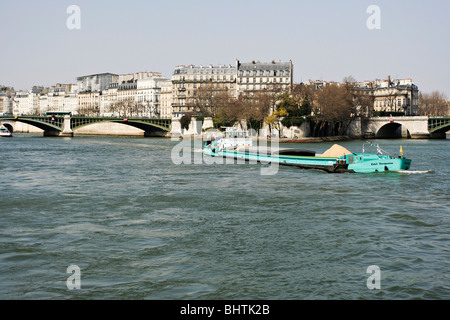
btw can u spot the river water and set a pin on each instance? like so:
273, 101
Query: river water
139, 226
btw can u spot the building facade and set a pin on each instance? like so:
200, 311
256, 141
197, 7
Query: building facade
108, 99
61, 98
126, 91
70, 103
148, 95
27, 102
257, 76
6, 104
393, 95
96, 82
166, 99
89, 103
187, 80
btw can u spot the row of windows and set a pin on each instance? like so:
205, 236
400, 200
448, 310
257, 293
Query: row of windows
231, 78
261, 86
206, 78
388, 102
143, 99
263, 80
206, 70
265, 73
213, 85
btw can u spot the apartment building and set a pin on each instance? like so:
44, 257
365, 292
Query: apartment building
27, 102
257, 76
126, 91
233, 80
148, 95
186, 81
89, 103
5, 104
60, 98
140, 91
166, 99
108, 98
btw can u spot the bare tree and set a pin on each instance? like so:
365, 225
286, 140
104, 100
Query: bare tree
433, 104
91, 110
335, 107
118, 107
256, 106
150, 109
208, 98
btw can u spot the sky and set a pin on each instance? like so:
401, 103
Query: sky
325, 39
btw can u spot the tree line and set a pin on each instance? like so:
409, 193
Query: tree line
433, 104
330, 108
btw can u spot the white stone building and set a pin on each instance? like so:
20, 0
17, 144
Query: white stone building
26, 103
89, 103
166, 99
59, 98
108, 99
71, 100
148, 94
140, 91
43, 103
6, 104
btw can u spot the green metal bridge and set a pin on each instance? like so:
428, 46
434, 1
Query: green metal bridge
56, 125
438, 124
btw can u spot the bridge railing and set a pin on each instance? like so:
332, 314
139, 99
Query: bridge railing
53, 121
80, 120
437, 122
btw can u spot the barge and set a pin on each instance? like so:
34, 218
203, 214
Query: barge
335, 160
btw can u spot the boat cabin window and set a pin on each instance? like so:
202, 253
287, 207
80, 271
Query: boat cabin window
236, 134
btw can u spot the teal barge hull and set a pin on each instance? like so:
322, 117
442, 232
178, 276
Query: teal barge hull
366, 163
356, 162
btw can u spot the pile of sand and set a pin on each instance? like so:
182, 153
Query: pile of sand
336, 151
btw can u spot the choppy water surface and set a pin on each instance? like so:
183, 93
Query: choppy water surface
140, 227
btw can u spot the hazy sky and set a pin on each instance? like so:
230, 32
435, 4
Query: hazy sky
326, 39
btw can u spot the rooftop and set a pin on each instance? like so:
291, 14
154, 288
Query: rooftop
97, 74
192, 69
256, 65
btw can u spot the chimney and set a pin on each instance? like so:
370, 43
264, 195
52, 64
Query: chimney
389, 81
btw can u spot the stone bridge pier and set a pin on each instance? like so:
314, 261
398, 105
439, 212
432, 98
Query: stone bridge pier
65, 132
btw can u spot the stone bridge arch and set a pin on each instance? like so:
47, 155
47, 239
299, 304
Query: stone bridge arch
30, 124
398, 127
150, 127
62, 126
393, 130
8, 125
